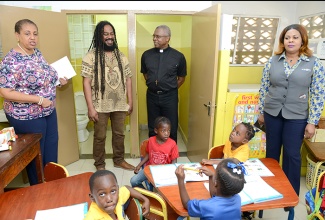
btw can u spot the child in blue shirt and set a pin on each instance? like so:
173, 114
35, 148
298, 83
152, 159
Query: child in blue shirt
224, 185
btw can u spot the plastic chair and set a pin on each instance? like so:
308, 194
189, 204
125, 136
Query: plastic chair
159, 210
315, 200
54, 171
143, 153
216, 152
134, 210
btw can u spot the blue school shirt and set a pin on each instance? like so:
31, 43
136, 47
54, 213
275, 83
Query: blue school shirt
216, 208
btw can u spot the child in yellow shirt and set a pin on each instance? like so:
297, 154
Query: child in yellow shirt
237, 145
108, 199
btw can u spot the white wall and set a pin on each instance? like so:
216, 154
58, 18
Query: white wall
305, 8
288, 11
115, 5
285, 10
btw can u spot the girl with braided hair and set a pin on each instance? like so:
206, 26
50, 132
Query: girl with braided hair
224, 185
108, 93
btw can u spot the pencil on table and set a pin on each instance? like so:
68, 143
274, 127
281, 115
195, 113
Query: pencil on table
191, 168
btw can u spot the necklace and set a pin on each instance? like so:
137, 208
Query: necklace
27, 53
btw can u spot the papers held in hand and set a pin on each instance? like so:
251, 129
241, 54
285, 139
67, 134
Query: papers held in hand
64, 68
260, 127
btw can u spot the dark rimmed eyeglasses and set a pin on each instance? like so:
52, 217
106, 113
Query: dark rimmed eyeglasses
158, 36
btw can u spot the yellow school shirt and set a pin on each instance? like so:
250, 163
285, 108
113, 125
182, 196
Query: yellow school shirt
241, 153
95, 213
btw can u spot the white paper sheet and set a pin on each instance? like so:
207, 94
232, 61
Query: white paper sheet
72, 212
255, 166
64, 68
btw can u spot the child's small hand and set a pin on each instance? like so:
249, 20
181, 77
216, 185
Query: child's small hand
136, 169
146, 207
206, 162
206, 171
179, 172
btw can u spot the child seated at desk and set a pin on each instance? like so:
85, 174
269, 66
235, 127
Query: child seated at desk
108, 200
237, 145
224, 185
161, 149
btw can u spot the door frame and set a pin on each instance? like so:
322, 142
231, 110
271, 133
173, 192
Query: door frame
131, 22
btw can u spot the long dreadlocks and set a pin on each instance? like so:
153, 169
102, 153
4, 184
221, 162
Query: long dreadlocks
98, 44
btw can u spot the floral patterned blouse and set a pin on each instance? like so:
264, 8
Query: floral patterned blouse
316, 89
29, 74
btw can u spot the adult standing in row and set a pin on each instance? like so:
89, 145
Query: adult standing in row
291, 99
28, 86
164, 70
108, 92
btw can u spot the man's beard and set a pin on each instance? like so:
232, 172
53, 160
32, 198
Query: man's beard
110, 48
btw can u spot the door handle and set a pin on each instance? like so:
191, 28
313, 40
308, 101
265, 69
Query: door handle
209, 107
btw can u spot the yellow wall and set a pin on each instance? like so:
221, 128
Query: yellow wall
180, 26
120, 25
221, 98
245, 74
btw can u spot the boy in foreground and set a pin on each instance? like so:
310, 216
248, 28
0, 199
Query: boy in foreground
108, 200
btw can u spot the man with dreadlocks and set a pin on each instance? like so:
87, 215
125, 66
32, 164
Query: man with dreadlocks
107, 88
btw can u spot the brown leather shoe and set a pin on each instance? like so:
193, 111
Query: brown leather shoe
124, 165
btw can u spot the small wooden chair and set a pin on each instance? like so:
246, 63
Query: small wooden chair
134, 210
54, 171
143, 153
216, 152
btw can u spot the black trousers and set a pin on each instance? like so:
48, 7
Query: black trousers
166, 105
287, 134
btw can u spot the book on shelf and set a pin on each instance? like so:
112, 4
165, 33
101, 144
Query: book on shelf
164, 175
256, 190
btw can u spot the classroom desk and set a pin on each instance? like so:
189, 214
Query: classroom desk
25, 149
197, 190
317, 149
24, 202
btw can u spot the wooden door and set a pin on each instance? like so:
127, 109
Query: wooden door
204, 67
54, 44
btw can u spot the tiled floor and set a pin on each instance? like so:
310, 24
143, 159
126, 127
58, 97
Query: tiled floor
123, 176
86, 149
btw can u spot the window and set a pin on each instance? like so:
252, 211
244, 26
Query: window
314, 25
252, 40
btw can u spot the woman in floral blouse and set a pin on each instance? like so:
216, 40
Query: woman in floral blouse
28, 86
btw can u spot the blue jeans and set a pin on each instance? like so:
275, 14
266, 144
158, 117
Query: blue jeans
137, 180
48, 127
